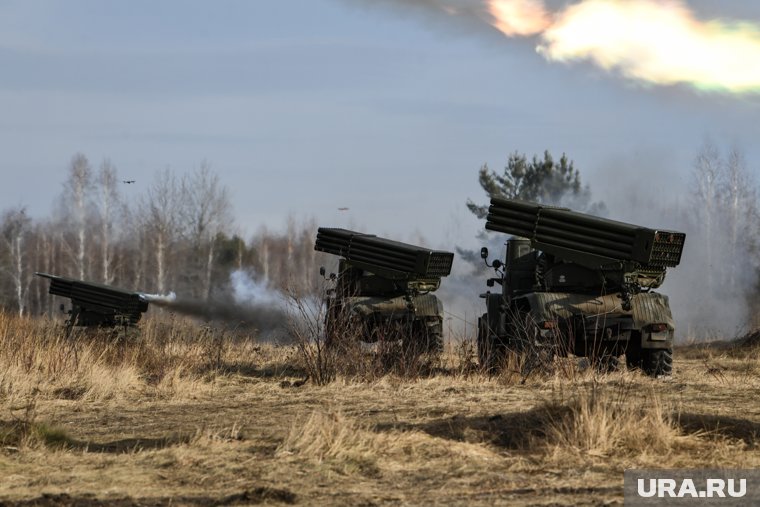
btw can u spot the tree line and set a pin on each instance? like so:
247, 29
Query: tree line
177, 235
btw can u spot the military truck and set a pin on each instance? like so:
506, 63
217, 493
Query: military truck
573, 283
383, 290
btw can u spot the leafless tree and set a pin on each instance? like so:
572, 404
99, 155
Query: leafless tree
136, 246
207, 212
707, 174
76, 204
15, 229
739, 199
724, 238
161, 219
108, 205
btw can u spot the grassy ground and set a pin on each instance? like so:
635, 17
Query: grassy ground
191, 416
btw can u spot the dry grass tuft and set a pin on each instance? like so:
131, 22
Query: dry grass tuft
16, 435
214, 435
354, 446
601, 420
163, 359
331, 435
23, 431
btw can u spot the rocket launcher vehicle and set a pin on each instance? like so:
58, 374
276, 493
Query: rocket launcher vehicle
383, 257
94, 304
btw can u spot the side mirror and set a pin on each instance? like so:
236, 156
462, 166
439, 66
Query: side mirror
489, 282
496, 264
322, 271
484, 253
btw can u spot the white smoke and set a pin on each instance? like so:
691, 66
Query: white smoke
245, 303
248, 291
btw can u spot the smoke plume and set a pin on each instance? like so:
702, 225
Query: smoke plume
657, 42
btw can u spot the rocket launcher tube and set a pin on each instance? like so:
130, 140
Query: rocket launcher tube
104, 300
384, 257
586, 239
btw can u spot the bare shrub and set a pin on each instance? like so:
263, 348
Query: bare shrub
465, 357
338, 344
530, 351
307, 326
526, 350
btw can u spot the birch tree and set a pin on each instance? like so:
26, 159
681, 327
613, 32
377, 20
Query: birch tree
162, 209
108, 205
15, 229
76, 206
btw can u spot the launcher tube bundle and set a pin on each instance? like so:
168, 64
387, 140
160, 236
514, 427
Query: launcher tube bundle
384, 257
97, 304
592, 241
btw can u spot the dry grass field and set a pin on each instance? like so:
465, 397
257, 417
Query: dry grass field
185, 415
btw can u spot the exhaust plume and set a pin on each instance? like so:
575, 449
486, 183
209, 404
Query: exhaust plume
160, 298
248, 304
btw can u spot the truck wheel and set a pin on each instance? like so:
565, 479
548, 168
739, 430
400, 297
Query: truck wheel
491, 352
422, 337
657, 362
633, 358
434, 338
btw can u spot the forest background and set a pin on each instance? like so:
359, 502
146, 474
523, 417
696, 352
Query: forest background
180, 235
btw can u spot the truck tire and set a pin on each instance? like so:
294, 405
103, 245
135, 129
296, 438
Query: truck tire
434, 338
423, 337
657, 362
491, 352
633, 351
633, 359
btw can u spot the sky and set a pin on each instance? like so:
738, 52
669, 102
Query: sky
306, 106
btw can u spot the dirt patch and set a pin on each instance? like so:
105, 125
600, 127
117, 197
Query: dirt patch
70, 393
722, 426
248, 497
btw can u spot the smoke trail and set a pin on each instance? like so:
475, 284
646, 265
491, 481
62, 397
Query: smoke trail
264, 318
249, 304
